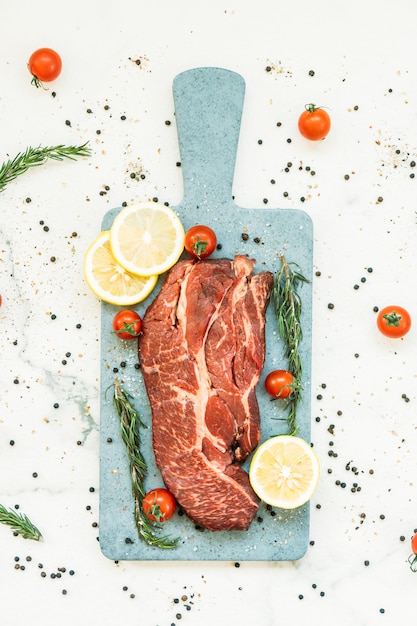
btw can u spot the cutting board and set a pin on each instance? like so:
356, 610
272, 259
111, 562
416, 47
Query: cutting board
208, 109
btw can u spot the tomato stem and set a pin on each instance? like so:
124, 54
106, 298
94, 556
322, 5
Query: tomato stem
199, 246
412, 559
37, 83
392, 319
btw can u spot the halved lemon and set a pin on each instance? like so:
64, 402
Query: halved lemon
147, 238
108, 280
284, 471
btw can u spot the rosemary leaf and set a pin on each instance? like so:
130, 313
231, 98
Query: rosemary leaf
130, 422
288, 313
33, 157
19, 523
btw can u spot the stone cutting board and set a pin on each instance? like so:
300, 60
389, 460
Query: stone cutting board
208, 108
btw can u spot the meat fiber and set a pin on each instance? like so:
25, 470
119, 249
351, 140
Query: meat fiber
202, 351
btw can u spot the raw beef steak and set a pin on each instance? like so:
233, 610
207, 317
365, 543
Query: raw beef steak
202, 351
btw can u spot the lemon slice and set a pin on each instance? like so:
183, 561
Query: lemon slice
284, 471
108, 280
147, 238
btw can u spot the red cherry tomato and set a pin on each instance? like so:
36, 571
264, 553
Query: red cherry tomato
200, 241
279, 383
45, 65
127, 324
159, 505
314, 123
393, 321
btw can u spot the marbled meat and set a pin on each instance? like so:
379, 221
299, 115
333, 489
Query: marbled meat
202, 351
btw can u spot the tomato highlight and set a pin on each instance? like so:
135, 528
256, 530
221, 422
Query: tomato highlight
393, 321
314, 123
159, 505
127, 324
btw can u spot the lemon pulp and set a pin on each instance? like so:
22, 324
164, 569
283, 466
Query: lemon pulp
284, 471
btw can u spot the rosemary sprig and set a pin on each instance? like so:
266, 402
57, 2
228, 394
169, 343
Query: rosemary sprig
130, 421
32, 157
288, 313
19, 523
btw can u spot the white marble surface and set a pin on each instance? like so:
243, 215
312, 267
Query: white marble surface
362, 55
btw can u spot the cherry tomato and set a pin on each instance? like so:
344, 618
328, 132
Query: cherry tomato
45, 65
279, 383
200, 241
314, 123
159, 505
394, 321
127, 324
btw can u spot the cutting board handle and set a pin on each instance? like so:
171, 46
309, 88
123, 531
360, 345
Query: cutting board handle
208, 109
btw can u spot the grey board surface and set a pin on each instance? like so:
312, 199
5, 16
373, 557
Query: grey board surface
208, 106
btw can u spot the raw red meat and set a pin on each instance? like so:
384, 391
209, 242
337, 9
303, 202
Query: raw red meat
201, 352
